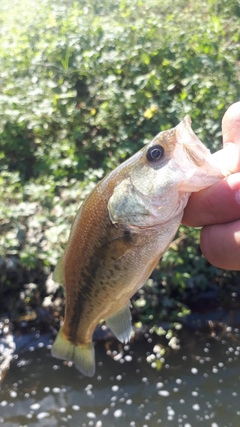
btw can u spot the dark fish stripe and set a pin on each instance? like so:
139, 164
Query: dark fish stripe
87, 277
90, 282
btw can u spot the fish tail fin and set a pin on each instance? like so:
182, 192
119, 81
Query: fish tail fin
82, 355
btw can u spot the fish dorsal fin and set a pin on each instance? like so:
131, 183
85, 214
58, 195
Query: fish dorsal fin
121, 324
58, 275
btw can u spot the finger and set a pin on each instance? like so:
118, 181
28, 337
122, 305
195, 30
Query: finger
229, 157
231, 124
217, 204
219, 201
220, 244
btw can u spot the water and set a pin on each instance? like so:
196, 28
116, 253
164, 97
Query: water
198, 385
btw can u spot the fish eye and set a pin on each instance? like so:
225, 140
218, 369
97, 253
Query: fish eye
155, 153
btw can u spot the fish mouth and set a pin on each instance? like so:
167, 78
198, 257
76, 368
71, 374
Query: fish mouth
199, 167
193, 148
195, 151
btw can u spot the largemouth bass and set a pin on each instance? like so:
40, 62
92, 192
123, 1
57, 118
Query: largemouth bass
119, 234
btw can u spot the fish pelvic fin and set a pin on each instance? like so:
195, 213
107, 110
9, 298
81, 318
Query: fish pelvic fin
82, 355
121, 324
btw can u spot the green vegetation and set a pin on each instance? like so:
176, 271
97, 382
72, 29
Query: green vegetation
84, 85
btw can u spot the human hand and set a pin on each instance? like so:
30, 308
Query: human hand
217, 208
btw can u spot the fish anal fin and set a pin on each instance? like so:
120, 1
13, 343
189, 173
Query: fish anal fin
121, 324
82, 355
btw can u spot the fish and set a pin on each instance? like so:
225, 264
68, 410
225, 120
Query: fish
120, 233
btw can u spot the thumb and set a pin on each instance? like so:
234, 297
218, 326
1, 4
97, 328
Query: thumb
229, 156
231, 125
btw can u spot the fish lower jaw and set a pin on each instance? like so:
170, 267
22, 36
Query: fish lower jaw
170, 214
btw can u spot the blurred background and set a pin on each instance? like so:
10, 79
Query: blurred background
83, 86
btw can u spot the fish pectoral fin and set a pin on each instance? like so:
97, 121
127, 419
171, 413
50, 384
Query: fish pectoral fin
58, 272
116, 249
82, 355
120, 246
121, 324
